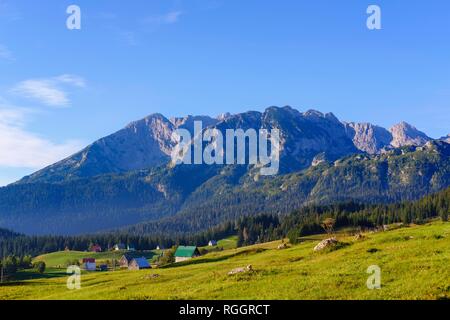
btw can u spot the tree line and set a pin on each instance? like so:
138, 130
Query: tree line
250, 229
309, 220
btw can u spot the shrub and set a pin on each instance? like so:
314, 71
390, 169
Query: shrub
39, 267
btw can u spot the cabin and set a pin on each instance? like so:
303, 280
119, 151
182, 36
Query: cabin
89, 264
125, 260
139, 264
212, 243
96, 248
119, 246
184, 253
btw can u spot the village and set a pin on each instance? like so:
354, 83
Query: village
127, 257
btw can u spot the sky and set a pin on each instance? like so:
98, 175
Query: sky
62, 89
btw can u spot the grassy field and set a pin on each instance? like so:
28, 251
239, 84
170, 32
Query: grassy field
414, 261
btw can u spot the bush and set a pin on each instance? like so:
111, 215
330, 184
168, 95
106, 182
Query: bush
293, 236
39, 267
168, 257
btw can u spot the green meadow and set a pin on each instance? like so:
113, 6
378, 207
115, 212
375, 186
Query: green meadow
414, 262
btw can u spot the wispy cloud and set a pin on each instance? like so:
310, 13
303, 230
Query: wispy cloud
167, 18
20, 148
49, 91
72, 79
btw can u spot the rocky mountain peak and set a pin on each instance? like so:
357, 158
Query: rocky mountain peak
368, 137
404, 134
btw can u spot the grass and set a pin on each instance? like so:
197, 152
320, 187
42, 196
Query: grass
414, 262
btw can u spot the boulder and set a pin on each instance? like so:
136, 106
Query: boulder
359, 236
241, 270
326, 243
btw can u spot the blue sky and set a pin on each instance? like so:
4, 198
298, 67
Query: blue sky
62, 89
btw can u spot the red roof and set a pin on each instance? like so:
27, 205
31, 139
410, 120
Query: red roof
90, 260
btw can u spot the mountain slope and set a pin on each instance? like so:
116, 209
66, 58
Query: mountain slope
400, 174
172, 201
124, 179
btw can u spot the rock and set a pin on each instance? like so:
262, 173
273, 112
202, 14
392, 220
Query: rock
326, 243
240, 270
360, 236
282, 246
151, 276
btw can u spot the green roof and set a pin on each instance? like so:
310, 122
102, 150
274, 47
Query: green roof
186, 252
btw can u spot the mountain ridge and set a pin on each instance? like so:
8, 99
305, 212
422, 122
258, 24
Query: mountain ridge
148, 142
125, 178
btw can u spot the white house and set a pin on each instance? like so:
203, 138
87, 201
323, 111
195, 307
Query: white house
119, 246
212, 243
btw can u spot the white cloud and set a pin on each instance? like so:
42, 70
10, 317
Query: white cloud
20, 148
168, 18
44, 91
72, 79
49, 91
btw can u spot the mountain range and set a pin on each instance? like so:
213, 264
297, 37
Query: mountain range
124, 180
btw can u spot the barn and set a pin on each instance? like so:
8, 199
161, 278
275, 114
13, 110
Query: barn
139, 264
184, 253
89, 264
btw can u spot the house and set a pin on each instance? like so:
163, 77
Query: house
96, 248
212, 243
125, 260
119, 246
139, 264
184, 253
89, 264
131, 248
